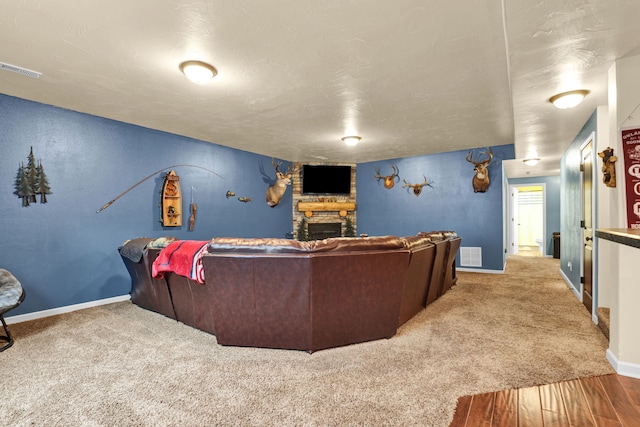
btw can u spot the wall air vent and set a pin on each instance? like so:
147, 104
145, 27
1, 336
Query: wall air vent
470, 257
20, 70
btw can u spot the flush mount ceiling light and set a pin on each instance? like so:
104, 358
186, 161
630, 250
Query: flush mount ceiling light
568, 99
197, 71
351, 140
531, 161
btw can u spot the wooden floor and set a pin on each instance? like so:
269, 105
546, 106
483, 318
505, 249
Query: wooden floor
609, 400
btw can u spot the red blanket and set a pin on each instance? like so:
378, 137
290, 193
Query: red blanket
183, 257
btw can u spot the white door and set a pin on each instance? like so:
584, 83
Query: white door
513, 248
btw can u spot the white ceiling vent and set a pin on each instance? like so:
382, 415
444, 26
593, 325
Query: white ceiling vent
20, 70
470, 257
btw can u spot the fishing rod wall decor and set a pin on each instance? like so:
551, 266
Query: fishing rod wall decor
170, 197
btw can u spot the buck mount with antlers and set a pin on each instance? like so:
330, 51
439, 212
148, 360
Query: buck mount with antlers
481, 178
389, 180
276, 191
417, 188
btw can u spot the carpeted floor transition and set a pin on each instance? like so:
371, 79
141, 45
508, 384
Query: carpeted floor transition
122, 365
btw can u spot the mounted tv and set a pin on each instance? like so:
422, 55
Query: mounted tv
324, 179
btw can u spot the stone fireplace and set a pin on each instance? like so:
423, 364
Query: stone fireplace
322, 213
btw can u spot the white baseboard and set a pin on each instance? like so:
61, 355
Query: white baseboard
479, 270
574, 290
66, 309
623, 368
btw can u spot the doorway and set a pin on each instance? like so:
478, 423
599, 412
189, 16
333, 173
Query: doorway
528, 220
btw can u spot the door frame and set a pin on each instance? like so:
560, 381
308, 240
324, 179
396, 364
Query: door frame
513, 208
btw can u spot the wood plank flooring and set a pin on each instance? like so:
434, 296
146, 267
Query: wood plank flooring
607, 401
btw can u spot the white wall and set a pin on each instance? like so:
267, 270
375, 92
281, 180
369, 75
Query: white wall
614, 273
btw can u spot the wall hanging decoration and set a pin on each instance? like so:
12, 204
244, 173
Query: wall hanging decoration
276, 191
608, 167
389, 180
194, 210
31, 181
112, 201
171, 200
417, 188
481, 178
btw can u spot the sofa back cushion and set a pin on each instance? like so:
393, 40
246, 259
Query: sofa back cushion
275, 245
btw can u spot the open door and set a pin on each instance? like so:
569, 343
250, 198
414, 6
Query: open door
587, 225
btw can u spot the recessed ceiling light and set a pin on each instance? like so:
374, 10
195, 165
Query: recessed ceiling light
531, 161
568, 99
351, 140
197, 71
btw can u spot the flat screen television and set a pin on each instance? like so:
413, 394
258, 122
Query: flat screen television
324, 179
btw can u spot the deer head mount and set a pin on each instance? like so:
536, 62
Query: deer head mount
276, 191
481, 178
608, 167
417, 188
389, 180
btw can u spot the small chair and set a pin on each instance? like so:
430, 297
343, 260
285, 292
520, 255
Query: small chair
11, 295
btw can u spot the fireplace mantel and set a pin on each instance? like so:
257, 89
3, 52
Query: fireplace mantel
341, 207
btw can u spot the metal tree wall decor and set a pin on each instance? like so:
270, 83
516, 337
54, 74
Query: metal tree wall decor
32, 181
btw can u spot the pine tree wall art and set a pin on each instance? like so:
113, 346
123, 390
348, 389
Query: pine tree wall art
31, 181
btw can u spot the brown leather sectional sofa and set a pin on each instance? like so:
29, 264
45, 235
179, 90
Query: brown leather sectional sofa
281, 293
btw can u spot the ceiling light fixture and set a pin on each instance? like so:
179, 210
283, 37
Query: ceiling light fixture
198, 72
531, 161
568, 99
351, 140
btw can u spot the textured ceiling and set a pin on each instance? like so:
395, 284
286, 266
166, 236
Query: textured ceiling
410, 77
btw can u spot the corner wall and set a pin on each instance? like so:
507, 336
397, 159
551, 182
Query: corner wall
449, 204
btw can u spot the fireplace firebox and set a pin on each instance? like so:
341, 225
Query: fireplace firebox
324, 230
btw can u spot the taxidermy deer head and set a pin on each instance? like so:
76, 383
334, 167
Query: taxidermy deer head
608, 167
417, 188
481, 178
389, 180
276, 191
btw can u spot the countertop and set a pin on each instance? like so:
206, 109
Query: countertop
625, 236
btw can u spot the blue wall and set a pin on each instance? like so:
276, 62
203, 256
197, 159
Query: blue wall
552, 196
570, 205
450, 205
65, 253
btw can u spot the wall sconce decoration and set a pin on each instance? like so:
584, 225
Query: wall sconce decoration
417, 188
31, 181
389, 180
608, 167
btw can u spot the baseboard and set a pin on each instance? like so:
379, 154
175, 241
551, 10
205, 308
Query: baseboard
479, 270
66, 309
623, 368
574, 290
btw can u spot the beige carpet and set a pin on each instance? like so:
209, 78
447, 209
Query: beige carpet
119, 365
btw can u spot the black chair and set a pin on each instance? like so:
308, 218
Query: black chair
11, 295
